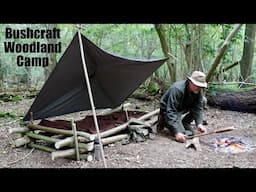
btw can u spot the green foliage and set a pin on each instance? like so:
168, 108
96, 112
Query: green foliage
10, 97
7, 115
152, 89
213, 89
139, 41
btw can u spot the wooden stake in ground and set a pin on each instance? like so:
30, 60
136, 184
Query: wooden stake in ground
194, 143
75, 138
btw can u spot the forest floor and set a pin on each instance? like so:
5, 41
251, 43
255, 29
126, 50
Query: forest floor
159, 152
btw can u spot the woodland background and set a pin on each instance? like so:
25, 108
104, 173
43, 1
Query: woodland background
225, 52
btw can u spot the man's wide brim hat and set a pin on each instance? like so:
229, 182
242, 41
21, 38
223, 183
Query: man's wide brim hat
198, 78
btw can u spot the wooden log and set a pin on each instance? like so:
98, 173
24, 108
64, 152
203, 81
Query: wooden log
243, 101
150, 114
41, 137
88, 136
124, 126
86, 156
112, 131
64, 142
41, 147
65, 153
108, 140
21, 141
68, 141
75, 138
152, 121
87, 146
18, 130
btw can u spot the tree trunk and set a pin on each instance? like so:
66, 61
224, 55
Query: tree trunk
222, 51
166, 50
247, 58
244, 101
188, 47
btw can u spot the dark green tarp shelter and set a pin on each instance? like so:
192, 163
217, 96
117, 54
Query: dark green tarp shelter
112, 80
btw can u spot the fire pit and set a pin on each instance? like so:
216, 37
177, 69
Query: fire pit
231, 145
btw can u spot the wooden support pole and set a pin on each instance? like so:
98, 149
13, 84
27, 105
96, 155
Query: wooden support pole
75, 138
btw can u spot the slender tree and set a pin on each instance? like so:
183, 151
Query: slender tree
222, 51
167, 52
248, 52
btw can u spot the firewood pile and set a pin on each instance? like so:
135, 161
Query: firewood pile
75, 144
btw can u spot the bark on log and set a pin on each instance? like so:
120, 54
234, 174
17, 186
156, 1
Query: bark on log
75, 138
87, 156
235, 101
67, 141
41, 147
108, 140
88, 136
87, 146
18, 130
21, 141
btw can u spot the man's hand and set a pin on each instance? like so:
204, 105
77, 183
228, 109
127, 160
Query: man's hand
201, 128
180, 137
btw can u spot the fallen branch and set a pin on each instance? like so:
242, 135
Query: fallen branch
21, 158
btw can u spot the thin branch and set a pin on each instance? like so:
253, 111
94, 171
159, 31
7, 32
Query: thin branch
12, 162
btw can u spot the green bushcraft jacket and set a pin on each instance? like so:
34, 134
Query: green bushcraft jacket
177, 100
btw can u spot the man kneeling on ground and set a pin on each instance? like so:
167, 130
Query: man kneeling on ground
183, 97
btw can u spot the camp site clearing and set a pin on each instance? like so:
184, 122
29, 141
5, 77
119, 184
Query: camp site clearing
159, 152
